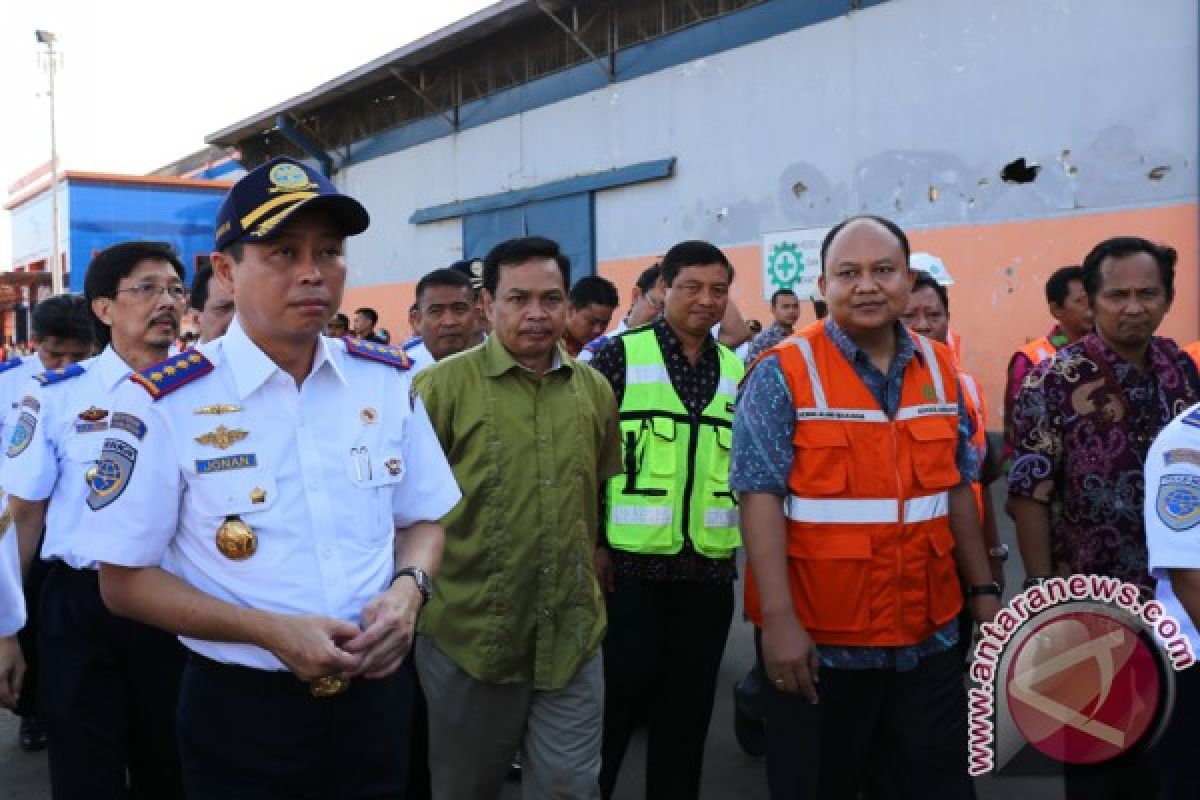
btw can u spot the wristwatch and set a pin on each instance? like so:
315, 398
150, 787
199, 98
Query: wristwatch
420, 577
984, 589
999, 551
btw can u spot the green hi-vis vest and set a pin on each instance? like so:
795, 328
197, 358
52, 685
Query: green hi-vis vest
676, 474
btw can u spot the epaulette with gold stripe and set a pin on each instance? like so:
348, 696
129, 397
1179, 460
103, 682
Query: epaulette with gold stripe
168, 375
53, 376
388, 354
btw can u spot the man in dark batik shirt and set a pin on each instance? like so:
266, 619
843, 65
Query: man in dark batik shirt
1083, 425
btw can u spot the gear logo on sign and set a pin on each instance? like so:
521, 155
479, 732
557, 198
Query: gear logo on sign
785, 265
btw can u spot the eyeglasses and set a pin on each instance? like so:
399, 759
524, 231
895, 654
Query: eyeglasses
148, 291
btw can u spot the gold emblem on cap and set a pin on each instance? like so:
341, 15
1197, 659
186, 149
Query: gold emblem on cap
222, 437
328, 685
218, 408
93, 414
369, 415
289, 178
258, 495
236, 540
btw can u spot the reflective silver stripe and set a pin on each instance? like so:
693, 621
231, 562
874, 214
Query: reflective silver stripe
641, 515
647, 373
727, 387
934, 369
720, 517
824, 510
841, 414
930, 410
813, 377
969, 384
923, 509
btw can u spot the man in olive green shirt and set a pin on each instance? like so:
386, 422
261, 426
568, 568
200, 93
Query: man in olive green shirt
508, 655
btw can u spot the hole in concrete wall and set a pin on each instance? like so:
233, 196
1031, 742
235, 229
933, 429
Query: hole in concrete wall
1020, 172
798, 188
1158, 173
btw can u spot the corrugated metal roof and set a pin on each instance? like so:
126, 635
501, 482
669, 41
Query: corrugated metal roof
470, 29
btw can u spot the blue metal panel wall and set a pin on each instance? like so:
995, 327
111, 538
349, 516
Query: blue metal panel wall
103, 214
566, 220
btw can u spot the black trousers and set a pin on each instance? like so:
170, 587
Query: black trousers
28, 636
912, 724
1175, 755
662, 653
247, 734
108, 692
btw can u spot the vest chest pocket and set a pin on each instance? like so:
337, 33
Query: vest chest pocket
822, 462
829, 580
661, 443
933, 443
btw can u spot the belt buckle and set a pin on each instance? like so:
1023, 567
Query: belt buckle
328, 686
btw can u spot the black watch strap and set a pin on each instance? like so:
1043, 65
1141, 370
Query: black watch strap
984, 589
420, 578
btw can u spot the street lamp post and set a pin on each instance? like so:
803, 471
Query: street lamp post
56, 267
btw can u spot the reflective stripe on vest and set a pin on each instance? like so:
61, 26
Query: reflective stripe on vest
882, 511
676, 473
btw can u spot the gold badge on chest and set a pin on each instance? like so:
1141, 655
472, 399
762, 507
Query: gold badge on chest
236, 540
222, 438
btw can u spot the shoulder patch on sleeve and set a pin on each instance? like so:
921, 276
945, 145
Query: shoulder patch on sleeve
22, 435
168, 375
15, 361
1178, 503
53, 376
388, 354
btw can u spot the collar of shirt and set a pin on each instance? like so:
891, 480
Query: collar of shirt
670, 341
252, 367
110, 368
905, 348
497, 360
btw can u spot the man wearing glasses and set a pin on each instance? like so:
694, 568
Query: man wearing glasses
108, 684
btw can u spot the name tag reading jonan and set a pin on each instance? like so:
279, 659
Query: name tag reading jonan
205, 466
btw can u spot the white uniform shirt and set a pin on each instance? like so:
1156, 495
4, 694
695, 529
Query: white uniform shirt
420, 355
321, 472
62, 444
12, 380
12, 599
1173, 511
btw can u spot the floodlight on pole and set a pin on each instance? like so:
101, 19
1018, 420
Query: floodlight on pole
56, 267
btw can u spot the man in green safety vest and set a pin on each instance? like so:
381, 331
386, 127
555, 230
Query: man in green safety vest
670, 525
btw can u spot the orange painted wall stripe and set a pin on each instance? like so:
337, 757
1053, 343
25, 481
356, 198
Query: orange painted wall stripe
996, 304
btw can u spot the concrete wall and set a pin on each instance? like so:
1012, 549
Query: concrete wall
908, 109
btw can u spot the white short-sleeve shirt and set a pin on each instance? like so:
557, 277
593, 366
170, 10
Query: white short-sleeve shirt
55, 437
420, 355
12, 380
12, 599
323, 473
1173, 510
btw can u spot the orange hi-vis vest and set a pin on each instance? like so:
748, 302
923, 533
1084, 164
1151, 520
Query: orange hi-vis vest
1039, 350
869, 547
1193, 350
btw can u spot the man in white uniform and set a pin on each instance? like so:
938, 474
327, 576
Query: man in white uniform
293, 484
1173, 540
